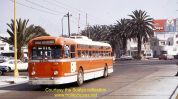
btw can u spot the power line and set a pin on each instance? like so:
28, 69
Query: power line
46, 7
68, 6
44, 11
34, 8
89, 15
43, 6
57, 5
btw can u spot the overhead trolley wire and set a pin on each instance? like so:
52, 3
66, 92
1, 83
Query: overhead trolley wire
43, 7
44, 11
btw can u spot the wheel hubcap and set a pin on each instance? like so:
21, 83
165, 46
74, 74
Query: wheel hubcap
80, 78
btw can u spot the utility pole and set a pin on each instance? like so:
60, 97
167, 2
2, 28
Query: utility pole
62, 24
68, 15
79, 24
16, 73
87, 25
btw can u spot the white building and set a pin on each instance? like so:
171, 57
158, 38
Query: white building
9, 49
165, 43
165, 40
132, 48
5, 47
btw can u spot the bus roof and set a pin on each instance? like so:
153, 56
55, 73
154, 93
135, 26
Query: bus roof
90, 42
72, 40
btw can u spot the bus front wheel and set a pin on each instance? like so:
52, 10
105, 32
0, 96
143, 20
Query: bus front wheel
80, 77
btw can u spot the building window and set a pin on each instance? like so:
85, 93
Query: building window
169, 43
10, 48
162, 43
177, 36
2, 48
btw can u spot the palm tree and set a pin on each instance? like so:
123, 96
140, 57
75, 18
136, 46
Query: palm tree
97, 32
121, 31
24, 34
141, 28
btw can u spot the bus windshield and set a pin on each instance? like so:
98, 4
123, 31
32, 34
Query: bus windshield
46, 52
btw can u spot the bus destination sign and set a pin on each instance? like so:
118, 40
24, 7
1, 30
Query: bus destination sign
46, 42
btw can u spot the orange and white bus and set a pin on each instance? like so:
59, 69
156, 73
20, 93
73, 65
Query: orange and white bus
59, 60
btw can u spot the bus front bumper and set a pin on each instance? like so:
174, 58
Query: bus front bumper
52, 81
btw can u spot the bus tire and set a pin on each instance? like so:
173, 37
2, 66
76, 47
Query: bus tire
1, 73
105, 74
43, 86
80, 77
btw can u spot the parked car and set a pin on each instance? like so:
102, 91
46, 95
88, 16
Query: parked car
126, 57
166, 57
3, 69
11, 66
3, 59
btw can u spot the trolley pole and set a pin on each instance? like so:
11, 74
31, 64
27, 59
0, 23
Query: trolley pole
16, 73
62, 24
68, 15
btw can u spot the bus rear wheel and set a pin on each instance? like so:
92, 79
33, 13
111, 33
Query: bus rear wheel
105, 72
80, 77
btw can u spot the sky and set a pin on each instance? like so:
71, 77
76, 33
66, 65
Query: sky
49, 13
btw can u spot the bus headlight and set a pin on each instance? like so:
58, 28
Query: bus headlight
33, 73
55, 72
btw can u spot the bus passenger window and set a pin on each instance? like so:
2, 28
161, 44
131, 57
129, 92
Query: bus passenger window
90, 53
83, 54
72, 51
79, 53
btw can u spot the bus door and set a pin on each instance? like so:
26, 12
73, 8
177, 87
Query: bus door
73, 65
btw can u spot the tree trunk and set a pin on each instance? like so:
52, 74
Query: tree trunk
139, 46
124, 46
20, 53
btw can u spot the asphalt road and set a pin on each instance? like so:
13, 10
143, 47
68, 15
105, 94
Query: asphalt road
125, 73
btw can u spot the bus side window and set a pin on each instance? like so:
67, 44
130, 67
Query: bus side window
79, 53
72, 51
83, 54
90, 53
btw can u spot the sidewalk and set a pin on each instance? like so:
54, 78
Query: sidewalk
10, 80
159, 85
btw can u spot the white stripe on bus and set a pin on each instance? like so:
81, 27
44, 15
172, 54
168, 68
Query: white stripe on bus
68, 60
87, 71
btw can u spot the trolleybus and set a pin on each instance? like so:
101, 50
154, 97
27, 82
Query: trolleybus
59, 60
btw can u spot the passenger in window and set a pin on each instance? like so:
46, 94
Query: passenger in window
83, 54
66, 51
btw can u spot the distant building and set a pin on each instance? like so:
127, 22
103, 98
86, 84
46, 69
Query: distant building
5, 47
132, 49
8, 50
165, 38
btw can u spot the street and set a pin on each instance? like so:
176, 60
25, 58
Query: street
119, 84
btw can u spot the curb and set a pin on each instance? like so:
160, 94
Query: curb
13, 81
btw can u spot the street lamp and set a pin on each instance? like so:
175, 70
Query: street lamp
67, 15
62, 23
